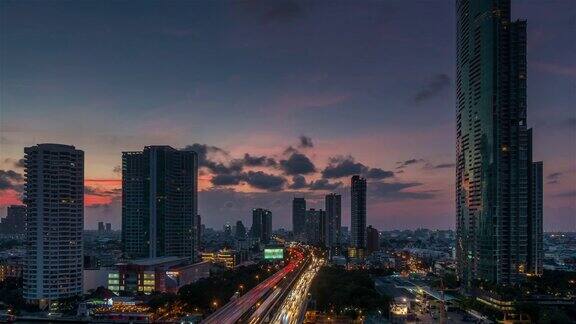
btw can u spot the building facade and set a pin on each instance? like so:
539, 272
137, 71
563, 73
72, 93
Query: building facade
372, 240
313, 226
535, 220
143, 276
54, 198
326, 229
14, 223
226, 257
333, 204
11, 267
240, 230
358, 213
298, 218
492, 144
159, 203
262, 225
198, 232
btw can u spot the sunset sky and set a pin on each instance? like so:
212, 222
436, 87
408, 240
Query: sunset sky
282, 98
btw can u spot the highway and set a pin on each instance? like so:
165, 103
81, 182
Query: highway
293, 307
235, 309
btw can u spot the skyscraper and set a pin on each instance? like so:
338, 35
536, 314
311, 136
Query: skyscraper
492, 143
159, 202
535, 217
240, 230
54, 200
372, 240
298, 218
198, 232
314, 227
101, 227
262, 224
14, 223
326, 230
358, 213
333, 204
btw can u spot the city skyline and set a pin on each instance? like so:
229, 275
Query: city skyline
288, 161
382, 101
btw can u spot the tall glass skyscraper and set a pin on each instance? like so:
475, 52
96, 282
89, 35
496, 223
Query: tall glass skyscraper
535, 213
333, 204
159, 202
493, 150
299, 218
262, 224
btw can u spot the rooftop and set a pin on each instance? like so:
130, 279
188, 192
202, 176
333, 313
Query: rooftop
155, 261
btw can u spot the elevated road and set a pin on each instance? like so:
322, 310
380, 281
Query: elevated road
293, 307
235, 309
269, 306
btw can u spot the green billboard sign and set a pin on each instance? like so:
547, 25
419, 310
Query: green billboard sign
273, 254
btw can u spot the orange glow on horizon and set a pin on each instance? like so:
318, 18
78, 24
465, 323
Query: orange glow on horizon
10, 197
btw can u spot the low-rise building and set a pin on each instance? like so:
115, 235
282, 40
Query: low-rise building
11, 267
179, 276
225, 256
144, 275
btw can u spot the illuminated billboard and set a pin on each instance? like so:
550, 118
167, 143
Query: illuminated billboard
273, 254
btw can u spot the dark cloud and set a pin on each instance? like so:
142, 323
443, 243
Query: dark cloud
226, 179
117, 169
433, 88
235, 166
265, 181
290, 150
298, 182
259, 180
377, 173
18, 164
305, 142
11, 180
342, 167
324, 184
403, 164
297, 163
430, 165
444, 165
96, 191
395, 191
345, 166
89, 190
251, 160
553, 177
204, 151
